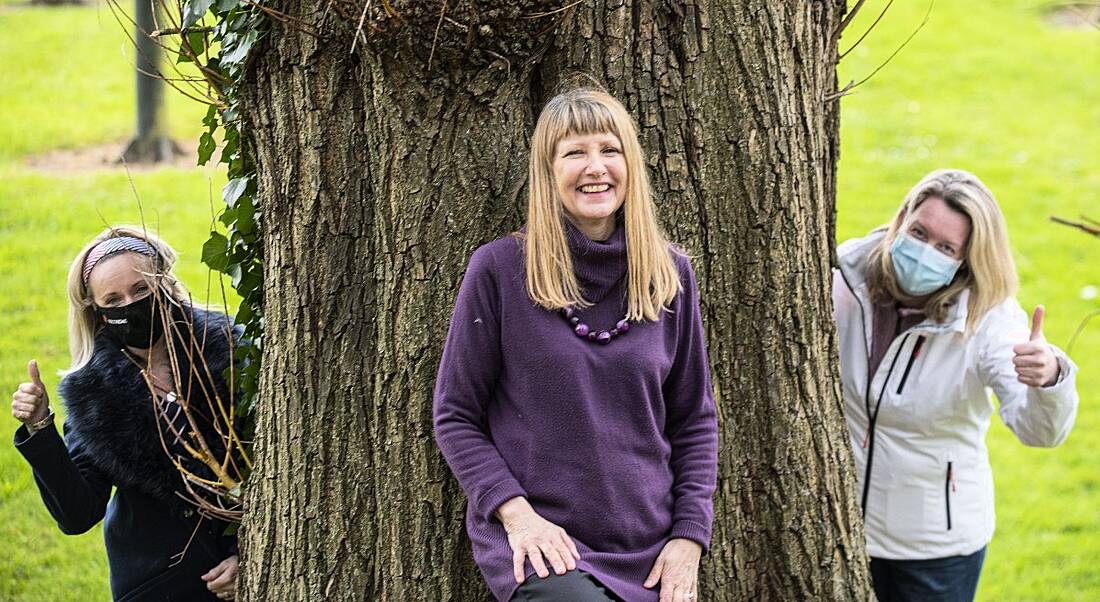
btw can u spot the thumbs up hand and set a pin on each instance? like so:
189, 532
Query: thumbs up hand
1034, 360
30, 403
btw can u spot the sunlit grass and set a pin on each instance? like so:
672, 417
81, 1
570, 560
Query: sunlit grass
985, 86
991, 88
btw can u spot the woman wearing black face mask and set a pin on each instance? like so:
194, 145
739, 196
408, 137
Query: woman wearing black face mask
120, 422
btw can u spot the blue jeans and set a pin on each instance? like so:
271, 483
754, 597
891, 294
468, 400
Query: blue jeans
951, 579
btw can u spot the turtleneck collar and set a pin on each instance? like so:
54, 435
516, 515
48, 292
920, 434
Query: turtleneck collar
599, 265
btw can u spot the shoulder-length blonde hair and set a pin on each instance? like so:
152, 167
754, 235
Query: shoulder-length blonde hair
83, 324
987, 268
652, 278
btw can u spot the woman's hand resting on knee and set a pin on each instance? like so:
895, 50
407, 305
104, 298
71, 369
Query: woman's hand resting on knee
532, 536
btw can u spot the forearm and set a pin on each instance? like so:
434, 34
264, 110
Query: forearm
476, 463
695, 474
75, 501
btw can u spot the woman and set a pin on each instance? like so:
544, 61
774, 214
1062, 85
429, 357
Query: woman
120, 422
927, 321
573, 401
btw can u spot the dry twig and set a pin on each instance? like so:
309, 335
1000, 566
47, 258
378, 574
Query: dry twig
853, 84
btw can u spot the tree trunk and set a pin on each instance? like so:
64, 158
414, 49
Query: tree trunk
150, 142
383, 168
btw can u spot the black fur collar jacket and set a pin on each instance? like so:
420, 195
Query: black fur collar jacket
114, 417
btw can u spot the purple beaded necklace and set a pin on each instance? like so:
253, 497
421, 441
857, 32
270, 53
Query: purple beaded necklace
582, 330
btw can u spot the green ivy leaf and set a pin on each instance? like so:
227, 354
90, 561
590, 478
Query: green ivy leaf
210, 120
234, 271
224, 6
240, 50
232, 143
206, 147
228, 217
193, 10
233, 190
214, 252
244, 314
196, 41
249, 282
246, 224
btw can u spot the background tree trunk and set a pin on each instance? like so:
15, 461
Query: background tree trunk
150, 142
382, 169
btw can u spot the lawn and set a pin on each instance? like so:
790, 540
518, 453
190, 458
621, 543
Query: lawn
54, 97
992, 88
986, 86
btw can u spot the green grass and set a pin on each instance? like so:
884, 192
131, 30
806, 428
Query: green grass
989, 87
985, 86
68, 83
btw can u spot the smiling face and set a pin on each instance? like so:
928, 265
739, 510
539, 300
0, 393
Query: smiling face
590, 179
935, 223
120, 280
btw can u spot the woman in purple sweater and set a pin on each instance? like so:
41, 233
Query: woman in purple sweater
573, 401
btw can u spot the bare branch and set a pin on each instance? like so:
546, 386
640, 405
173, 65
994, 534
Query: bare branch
848, 19
175, 31
1091, 229
557, 10
435, 38
868, 32
359, 28
851, 85
1081, 328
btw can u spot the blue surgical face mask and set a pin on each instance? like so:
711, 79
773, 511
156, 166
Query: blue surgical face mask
919, 268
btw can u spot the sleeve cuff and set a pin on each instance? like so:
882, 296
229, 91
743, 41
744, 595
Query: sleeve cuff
33, 445
1067, 375
692, 530
496, 495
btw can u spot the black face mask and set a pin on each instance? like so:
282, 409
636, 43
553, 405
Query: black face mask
135, 325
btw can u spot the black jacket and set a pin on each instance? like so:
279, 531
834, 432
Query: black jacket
112, 439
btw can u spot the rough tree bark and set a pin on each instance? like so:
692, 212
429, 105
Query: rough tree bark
383, 168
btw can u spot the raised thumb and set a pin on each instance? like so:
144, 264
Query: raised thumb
32, 370
1037, 324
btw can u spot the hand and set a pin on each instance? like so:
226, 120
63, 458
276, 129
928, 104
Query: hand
222, 579
1035, 363
677, 570
532, 536
30, 403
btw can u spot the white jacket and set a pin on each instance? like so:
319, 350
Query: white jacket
922, 466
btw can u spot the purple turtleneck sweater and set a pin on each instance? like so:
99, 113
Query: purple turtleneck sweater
616, 444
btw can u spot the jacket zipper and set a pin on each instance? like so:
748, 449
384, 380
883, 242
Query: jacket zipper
948, 487
912, 358
869, 441
869, 437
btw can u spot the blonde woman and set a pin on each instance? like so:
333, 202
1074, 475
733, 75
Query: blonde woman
928, 324
158, 547
573, 402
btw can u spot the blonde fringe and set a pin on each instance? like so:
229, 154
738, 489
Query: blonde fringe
652, 278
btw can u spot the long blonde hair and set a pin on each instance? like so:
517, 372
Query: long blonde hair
987, 268
652, 278
83, 324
